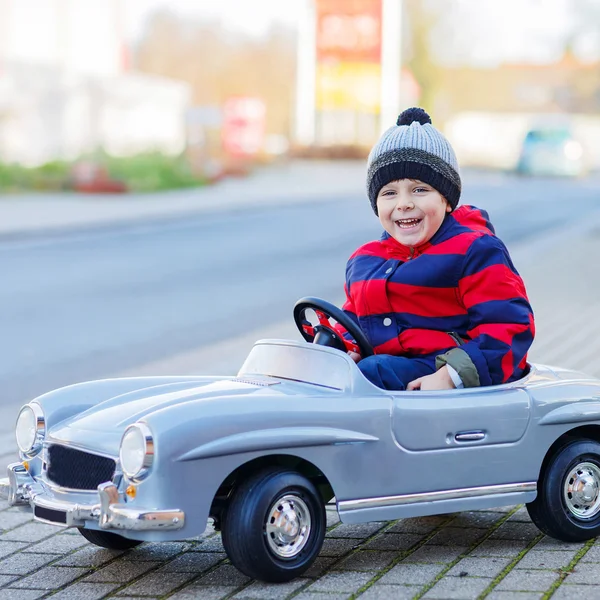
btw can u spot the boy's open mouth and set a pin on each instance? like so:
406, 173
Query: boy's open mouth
407, 223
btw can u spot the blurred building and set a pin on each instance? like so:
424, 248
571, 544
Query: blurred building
66, 88
488, 112
569, 86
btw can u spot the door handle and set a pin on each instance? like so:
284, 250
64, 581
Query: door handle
469, 436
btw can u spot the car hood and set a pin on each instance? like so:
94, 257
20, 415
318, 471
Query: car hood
100, 428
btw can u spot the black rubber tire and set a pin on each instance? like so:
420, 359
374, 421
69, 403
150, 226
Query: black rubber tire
549, 510
107, 539
244, 525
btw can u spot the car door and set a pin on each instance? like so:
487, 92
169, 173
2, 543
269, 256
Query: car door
459, 438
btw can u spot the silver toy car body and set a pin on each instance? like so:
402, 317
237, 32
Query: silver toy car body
149, 459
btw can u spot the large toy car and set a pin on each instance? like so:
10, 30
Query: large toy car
136, 459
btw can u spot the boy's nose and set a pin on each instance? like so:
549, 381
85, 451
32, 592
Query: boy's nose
405, 204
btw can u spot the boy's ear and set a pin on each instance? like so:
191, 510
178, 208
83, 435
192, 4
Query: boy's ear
448, 207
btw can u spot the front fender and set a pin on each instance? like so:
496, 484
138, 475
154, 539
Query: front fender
199, 444
273, 439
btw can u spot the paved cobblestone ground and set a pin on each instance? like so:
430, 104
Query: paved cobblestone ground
496, 554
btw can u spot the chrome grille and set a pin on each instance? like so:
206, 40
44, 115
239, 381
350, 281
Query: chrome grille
76, 469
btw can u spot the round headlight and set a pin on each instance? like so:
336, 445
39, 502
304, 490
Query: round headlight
137, 451
30, 429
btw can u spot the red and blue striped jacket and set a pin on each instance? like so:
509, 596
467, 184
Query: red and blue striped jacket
458, 298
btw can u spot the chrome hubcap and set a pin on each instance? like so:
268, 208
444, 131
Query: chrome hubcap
288, 526
582, 490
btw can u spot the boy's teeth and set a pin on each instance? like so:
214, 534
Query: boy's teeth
407, 222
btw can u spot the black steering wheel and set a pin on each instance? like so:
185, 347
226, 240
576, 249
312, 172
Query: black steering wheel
324, 333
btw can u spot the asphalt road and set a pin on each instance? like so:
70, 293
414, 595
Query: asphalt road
189, 295
95, 304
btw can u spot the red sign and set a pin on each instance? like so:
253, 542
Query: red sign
349, 30
243, 132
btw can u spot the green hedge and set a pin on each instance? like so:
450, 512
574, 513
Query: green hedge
50, 176
152, 172
142, 173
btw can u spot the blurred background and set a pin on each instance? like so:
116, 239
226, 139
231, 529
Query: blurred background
196, 90
175, 174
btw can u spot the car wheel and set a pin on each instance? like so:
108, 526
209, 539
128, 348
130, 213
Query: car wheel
567, 506
106, 539
274, 526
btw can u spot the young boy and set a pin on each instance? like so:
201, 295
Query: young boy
437, 296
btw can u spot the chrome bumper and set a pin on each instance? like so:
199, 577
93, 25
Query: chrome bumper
20, 489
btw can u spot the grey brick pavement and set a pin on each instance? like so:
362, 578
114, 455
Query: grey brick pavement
496, 554
418, 567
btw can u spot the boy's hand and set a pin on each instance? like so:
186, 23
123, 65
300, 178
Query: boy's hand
440, 380
354, 356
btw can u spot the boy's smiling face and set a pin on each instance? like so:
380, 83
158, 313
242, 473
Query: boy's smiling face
411, 211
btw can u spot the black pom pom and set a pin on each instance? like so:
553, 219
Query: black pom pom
410, 115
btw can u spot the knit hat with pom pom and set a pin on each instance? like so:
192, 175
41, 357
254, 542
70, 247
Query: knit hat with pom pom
414, 149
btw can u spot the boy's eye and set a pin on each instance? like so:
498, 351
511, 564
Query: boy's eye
388, 193
420, 190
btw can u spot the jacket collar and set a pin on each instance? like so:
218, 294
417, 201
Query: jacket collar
464, 218
398, 251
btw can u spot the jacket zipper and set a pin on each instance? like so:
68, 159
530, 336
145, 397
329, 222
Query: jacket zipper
459, 341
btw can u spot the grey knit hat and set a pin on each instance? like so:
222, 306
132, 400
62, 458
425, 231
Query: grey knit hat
414, 149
